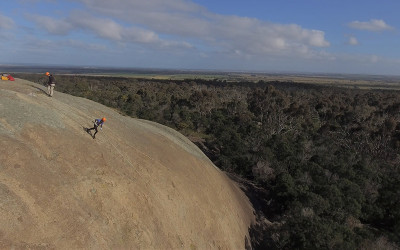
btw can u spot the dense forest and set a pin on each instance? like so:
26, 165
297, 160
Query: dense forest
320, 164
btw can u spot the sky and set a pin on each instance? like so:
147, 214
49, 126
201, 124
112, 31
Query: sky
308, 36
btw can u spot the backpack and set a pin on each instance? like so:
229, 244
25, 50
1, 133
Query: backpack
52, 79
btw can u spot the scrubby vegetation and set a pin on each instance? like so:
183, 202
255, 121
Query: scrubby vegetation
320, 164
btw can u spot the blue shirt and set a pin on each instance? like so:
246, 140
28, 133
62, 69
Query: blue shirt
99, 122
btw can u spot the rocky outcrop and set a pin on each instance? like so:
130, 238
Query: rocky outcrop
138, 185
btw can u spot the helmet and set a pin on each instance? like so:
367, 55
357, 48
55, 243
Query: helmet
47, 73
103, 119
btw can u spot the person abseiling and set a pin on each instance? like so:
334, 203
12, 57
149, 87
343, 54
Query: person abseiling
97, 122
50, 84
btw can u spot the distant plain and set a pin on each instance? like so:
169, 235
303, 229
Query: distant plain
338, 80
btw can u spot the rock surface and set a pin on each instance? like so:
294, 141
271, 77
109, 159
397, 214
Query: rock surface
138, 185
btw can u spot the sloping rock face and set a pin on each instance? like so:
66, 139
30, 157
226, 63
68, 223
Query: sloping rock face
138, 185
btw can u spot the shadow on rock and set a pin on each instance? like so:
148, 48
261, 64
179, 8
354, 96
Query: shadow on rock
41, 90
264, 209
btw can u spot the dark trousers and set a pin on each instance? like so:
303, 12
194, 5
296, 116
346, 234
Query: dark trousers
95, 128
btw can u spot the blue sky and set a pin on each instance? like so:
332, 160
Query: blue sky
321, 36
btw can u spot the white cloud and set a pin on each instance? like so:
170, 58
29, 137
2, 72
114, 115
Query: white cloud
255, 37
83, 45
371, 25
51, 25
23, 2
187, 20
374, 58
111, 30
6, 22
352, 40
33, 44
152, 6
105, 28
360, 59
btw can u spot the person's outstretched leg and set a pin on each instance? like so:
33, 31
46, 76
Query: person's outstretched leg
94, 127
89, 129
94, 136
52, 89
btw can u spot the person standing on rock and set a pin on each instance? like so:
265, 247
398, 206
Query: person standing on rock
50, 84
97, 123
